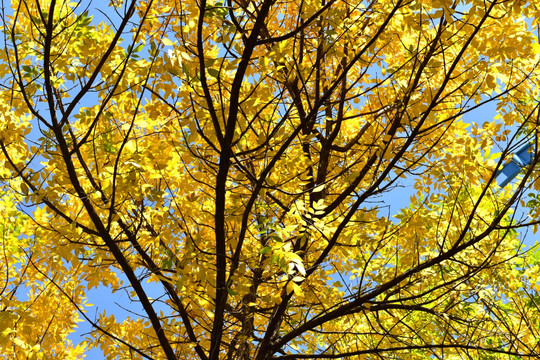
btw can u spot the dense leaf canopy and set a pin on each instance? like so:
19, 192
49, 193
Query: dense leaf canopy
269, 179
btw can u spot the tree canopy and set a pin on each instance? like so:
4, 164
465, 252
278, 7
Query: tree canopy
269, 179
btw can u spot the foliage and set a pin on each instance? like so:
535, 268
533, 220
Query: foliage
229, 165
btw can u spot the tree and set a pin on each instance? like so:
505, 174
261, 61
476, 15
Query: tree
240, 156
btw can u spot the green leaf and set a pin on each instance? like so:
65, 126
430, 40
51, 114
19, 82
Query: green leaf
265, 250
213, 72
231, 291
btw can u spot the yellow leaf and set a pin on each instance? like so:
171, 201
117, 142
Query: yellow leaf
167, 42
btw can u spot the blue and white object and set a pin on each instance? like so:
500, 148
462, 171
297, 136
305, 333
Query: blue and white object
520, 159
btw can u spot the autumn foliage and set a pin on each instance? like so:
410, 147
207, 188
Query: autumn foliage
269, 179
